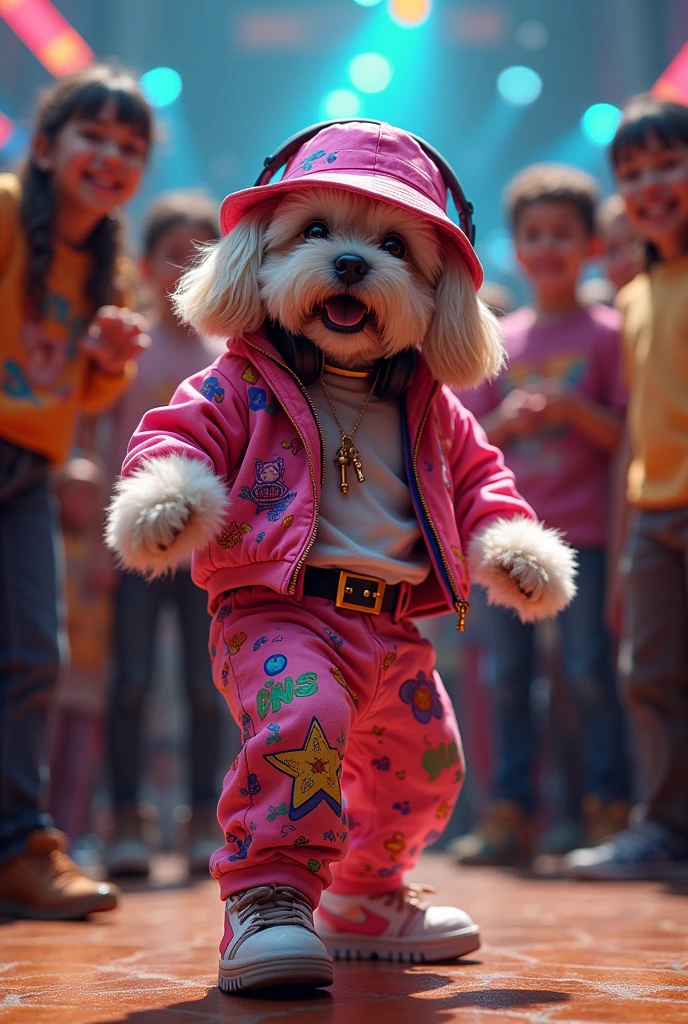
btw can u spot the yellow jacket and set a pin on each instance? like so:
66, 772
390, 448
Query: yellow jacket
45, 379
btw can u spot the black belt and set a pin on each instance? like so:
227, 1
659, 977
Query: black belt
349, 590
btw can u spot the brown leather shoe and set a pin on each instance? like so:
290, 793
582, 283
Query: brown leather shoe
603, 820
504, 838
43, 883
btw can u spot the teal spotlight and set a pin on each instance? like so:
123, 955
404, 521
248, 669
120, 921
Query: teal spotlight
341, 103
599, 123
367, 3
370, 72
519, 85
500, 250
161, 86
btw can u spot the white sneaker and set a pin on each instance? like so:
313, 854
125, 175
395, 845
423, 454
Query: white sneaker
397, 925
270, 941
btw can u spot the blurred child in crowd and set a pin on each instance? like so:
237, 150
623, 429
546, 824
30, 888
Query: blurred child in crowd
175, 226
557, 412
650, 158
622, 254
82, 688
66, 348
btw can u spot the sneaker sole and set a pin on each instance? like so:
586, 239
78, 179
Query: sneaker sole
302, 971
405, 950
74, 912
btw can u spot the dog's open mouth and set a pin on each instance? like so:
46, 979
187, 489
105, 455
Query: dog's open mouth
343, 313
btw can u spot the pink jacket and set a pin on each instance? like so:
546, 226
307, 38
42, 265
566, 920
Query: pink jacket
250, 419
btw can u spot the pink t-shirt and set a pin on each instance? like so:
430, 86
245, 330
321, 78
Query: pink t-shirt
564, 476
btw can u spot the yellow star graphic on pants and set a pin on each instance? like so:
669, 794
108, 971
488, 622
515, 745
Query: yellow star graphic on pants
316, 770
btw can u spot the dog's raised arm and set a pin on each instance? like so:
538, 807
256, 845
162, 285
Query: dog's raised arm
522, 564
172, 494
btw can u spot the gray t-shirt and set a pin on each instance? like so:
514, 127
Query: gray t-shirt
373, 529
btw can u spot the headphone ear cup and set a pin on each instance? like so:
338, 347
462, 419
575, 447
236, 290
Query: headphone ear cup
395, 375
308, 360
299, 353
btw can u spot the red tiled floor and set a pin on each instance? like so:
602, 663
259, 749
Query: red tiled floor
553, 952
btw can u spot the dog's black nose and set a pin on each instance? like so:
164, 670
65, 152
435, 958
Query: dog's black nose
350, 269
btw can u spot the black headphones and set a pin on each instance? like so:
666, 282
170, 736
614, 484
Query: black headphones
394, 374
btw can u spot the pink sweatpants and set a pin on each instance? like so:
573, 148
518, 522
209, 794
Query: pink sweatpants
351, 746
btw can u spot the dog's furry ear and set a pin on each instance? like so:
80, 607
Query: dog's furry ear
219, 296
463, 344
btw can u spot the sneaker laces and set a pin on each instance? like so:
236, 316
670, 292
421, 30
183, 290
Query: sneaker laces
406, 897
272, 905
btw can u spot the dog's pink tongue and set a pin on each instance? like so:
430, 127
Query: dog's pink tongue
344, 310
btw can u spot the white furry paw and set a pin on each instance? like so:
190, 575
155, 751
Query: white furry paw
524, 566
165, 510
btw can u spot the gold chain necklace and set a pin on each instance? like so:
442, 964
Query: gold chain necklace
348, 454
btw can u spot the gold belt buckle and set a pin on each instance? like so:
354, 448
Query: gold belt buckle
360, 593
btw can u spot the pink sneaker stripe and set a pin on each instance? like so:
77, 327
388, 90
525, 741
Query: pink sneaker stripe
228, 935
372, 924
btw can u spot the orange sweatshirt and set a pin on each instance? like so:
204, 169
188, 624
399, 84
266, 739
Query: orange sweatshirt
45, 379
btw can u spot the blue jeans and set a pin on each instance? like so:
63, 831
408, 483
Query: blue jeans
29, 642
137, 606
588, 660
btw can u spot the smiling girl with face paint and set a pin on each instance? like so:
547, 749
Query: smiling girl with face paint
66, 347
650, 158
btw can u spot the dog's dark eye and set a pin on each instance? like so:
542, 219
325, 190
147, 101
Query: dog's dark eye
394, 246
316, 230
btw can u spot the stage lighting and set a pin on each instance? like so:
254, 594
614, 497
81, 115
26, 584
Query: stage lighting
162, 86
409, 13
500, 250
599, 123
519, 85
370, 72
341, 103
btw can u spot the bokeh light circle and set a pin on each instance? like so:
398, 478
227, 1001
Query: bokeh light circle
161, 86
367, 3
599, 123
370, 72
409, 13
341, 103
500, 250
519, 85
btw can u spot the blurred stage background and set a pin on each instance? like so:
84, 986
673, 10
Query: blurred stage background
493, 85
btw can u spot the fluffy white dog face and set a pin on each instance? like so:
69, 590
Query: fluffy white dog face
361, 278
356, 276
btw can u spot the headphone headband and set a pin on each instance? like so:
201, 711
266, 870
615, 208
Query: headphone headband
464, 209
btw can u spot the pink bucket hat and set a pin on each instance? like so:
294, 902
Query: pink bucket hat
374, 160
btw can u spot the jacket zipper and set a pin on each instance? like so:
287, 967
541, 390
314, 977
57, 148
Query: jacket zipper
461, 606
291, 590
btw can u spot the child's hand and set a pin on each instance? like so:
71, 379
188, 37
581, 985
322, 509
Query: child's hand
519, 412
558, 405
114, 337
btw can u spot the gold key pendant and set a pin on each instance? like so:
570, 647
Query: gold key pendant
343, 460
356, 463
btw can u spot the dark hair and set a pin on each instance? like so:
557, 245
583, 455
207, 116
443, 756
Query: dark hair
174, 208
644, 116
81, 95
553, 183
